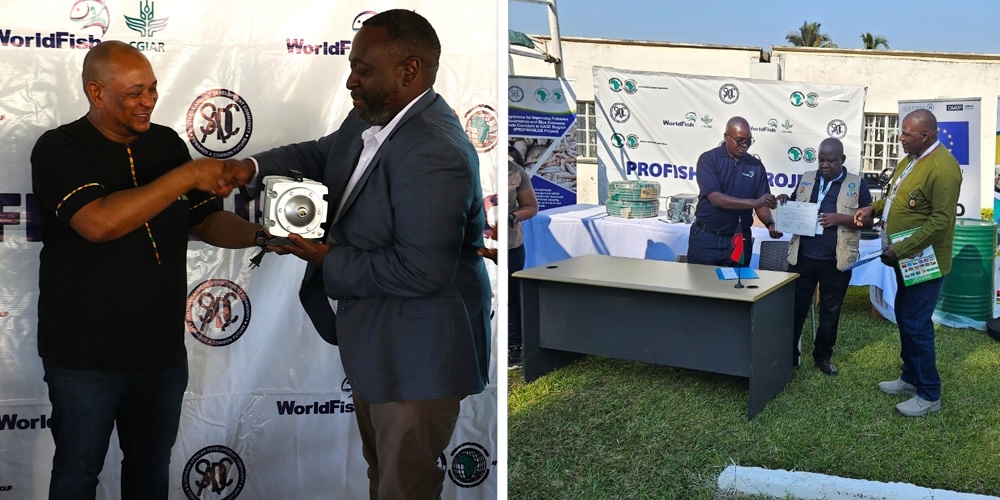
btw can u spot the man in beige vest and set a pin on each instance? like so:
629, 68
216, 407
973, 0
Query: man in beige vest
823, 257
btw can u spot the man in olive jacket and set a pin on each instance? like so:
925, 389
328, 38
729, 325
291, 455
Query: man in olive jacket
923, 195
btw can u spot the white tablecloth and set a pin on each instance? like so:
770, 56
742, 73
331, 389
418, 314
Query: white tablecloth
575, 230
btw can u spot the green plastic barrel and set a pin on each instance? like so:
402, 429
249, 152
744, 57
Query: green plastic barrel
968, 290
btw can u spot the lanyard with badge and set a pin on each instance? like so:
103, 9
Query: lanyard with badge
824, 188
895, 188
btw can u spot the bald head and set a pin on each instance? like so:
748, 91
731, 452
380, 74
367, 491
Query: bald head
831, 158
918, 131
738, 137
121, 88
100, 63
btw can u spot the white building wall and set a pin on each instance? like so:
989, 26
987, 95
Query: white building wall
889, 75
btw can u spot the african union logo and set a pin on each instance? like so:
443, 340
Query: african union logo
632, 141
213, 307
361, 18
729, 93
217, 469
216, 117
146, 24
542, 95
631, 87
470, 465
794, 153
91, 13
620, 112
558, 96
616, 84
798, 98
515, 93
836, 128
482, 126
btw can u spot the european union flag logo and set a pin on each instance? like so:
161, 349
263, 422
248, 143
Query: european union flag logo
955, 137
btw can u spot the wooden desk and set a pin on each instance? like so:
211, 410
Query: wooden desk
659, 312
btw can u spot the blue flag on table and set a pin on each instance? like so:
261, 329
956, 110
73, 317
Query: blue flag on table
955, 137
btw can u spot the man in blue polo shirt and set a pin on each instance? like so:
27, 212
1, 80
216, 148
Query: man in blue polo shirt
732, 185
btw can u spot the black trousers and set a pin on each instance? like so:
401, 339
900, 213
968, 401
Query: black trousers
833, 285
515, 263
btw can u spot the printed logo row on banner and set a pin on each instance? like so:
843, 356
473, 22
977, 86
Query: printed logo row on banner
94, 18
656, 125
221, 471
219, 122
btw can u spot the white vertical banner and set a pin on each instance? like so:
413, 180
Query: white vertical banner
268, 412
959, 127
654, 126
542, 128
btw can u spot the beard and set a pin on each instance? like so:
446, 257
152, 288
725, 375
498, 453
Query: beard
377, 111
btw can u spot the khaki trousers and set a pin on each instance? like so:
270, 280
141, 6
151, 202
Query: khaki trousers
401, 441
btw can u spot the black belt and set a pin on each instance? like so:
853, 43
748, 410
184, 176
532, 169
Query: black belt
707, 229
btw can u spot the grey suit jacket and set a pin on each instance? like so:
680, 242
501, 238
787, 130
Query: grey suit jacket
414, 297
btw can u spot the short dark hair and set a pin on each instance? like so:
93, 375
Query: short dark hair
410, 34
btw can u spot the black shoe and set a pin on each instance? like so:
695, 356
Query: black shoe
826, 366
513, 357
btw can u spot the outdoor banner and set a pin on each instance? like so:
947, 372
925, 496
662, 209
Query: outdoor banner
996, 212
959, 130
542, 127
654, 126
268, 412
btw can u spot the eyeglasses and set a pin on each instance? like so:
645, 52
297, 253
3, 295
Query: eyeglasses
742, 141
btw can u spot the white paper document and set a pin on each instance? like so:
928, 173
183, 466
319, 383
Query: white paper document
797, 217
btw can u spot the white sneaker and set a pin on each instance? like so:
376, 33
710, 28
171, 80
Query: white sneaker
918, 407
897, 387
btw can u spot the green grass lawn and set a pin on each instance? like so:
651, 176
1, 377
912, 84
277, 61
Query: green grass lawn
611, 429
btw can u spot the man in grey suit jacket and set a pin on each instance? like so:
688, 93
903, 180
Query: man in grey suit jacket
398, 284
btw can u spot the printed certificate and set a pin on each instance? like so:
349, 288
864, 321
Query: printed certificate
797, 217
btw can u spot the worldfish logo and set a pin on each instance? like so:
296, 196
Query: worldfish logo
299, 46
57, 40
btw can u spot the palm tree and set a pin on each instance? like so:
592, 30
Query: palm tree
809, 36
872, 42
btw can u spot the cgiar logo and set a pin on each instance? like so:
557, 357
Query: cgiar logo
92, 13
482, 127
213, 307
146, 24
620, 112
729, 93
470, 465
218, 469
360, 19
786, 128
706, 121
216, 117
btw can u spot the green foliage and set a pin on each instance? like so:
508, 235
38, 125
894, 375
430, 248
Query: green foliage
809, 36
605, 428
872, 42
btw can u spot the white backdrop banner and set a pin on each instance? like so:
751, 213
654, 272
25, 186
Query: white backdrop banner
654, 126
959, 127
268, 412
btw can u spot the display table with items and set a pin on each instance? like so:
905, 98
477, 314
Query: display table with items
584, 229
665, 313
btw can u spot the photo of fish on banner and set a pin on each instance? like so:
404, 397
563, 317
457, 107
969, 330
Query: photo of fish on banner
290, 205
633, 199
738, 273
